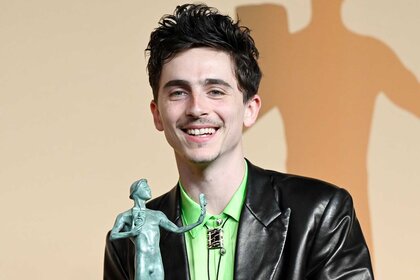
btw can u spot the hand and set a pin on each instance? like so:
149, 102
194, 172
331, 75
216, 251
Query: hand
203, 203
136, 230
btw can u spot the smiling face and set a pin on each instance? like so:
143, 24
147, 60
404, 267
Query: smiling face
200, 108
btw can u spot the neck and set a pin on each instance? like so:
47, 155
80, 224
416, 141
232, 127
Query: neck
140, 203
218, 180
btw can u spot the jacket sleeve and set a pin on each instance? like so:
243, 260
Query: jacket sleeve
339, 250
117, 259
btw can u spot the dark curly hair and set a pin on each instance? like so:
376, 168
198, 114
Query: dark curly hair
197, 25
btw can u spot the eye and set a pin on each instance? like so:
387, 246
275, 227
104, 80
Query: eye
177, 94
216, 93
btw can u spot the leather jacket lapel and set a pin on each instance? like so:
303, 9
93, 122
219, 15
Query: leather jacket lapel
262, 230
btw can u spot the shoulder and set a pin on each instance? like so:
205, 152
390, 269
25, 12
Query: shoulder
296, 191
124, 215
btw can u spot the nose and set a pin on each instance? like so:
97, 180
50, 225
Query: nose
197, 105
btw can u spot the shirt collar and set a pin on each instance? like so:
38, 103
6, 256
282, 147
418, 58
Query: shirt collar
190, 210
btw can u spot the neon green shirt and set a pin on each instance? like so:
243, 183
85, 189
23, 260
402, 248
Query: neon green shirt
199, 257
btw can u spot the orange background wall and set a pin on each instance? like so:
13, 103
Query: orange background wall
341, 99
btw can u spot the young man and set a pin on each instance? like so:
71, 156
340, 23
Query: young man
260, 224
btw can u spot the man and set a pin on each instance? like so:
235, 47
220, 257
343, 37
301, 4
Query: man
260, 224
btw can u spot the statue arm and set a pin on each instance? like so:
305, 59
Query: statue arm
168, 225
122, 222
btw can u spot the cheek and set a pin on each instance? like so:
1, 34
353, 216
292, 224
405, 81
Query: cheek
234, 119
165, 117
168, 119
239, 116
169, 126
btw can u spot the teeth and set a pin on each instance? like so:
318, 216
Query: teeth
201, 131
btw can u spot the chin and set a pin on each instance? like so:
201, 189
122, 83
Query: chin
202, 159
201, 162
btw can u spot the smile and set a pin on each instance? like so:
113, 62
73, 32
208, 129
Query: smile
201, 131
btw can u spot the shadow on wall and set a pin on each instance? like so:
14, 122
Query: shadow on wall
324, 80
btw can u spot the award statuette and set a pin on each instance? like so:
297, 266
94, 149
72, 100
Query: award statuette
141, 225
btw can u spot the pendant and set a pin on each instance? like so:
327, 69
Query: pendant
215, 238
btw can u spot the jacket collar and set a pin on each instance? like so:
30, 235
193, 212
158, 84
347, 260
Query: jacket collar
261, 198
262, 229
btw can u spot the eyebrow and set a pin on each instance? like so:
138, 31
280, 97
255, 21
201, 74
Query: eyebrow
176, 83
184, 83
217, 82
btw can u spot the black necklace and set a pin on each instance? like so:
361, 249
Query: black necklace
215, 241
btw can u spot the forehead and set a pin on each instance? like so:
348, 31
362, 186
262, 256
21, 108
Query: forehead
197, 65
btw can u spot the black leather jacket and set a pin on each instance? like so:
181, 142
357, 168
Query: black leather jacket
291, 228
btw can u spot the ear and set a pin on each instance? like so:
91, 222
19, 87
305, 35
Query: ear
252, 108
156, 115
